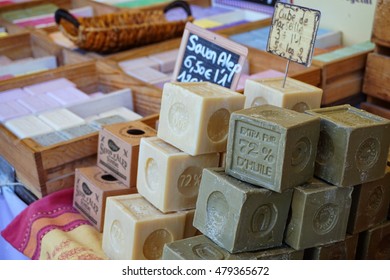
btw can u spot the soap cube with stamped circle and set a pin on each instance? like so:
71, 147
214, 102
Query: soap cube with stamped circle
118, 149
370, 202
319, 214
272, 147
294, 95
353, 145
168, 177
238, 216
194, 117
91, 189
202, 248
135, 230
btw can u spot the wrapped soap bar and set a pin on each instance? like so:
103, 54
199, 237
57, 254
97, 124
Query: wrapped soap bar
91, 189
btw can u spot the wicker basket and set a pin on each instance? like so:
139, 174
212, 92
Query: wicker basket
118, 31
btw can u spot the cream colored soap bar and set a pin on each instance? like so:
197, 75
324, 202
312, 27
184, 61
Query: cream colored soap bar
118, 149
61, 119
28, 126
168, 177
295, 95
135, 230
194, 117
123, 112
91, 189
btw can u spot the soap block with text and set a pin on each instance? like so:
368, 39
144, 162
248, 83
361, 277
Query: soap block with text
272, 147
352, 147
237, 216
118, 149
194, 117
169, 178
295, 95
135, 230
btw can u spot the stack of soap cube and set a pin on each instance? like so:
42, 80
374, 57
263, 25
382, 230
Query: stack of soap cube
352, 154
242, 210
193, 128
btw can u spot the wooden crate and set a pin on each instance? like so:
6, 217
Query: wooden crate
33, 44
46, 169
342, 77
377, 106
380, 31
377, 76
262, 60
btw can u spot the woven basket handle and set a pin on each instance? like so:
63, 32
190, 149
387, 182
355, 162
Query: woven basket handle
64, 14
179, 4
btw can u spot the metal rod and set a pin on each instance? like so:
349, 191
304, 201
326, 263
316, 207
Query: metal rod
285, 73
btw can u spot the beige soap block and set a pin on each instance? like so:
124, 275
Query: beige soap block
295, 95
169, 178
118, 149
189, 229
135, 230
91, 189
194, 117
61, 119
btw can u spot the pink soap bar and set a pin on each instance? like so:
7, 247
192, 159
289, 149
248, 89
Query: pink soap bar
260, 75
12, 94
60, 83
6, 77
68, 96
12, 109
142, 62
4, 60
39, 103
96, 94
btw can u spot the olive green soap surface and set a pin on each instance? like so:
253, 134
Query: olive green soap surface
238, 216
202, 248
272, 147
370, 202
353, 145
319, 215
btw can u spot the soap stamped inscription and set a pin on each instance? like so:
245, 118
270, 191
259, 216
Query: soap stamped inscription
325, 219
367, 154
255, 151
189, 181
207, 251
375, 199
264, 219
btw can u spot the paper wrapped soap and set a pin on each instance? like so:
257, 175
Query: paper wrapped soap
272, 147
353, 145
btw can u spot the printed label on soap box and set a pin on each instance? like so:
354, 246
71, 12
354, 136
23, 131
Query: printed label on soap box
293, 32
114, 156
207, 57
88, 201
118, 150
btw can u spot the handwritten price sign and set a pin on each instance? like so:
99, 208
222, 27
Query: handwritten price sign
293, 32
206, 56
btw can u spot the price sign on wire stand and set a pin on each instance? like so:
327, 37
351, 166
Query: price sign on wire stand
293, 33
206, 56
